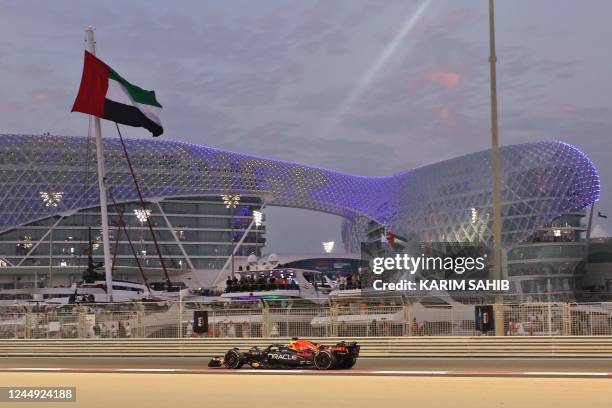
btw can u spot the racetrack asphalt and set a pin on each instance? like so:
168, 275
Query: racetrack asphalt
570, 367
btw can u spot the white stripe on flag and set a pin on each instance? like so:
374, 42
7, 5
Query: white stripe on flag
116, 92
150, 111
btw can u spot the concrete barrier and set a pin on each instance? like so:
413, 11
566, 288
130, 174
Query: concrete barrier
566, 346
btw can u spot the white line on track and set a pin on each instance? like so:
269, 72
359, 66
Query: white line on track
147, 370
264, 371
33, 369
552, 373
411, 372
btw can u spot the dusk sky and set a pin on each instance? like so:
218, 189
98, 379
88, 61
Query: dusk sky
367, 87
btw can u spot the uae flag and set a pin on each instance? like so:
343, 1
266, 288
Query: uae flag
105, 94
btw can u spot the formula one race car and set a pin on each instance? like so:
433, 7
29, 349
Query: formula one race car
299, 354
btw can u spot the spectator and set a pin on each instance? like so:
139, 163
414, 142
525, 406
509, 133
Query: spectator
121, 330
231, 329
96, 330
385, 328
415, 327
272, 282
261, 282
342, 282
426, 329
343, 331
511, 328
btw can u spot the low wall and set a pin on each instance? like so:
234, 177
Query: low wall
566, 346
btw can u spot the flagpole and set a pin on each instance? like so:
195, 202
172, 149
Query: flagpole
91, 47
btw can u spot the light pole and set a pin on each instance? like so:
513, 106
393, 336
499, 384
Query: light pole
496, 272
142, 214
231, 201
257, 218
50, 199
25, 245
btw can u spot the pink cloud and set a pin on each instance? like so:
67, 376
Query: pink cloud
445, 113
456, 17
40, 96
12, 106
446, 78
44, 95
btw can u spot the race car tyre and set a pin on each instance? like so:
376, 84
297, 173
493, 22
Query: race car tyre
324, 360
348, 362
233, 359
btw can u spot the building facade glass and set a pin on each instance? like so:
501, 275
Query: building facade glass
45, 178
192, 232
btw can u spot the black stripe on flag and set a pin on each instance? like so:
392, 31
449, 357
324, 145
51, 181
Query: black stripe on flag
130, 115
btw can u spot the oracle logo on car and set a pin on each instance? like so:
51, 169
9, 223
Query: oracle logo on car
276, 356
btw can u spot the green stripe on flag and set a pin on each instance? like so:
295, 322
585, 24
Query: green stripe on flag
138, 94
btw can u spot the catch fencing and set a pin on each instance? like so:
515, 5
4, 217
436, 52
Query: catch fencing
346, 318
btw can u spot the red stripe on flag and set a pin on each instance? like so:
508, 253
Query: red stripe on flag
94, 84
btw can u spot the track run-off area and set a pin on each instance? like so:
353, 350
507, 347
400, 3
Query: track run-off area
129, 389
381, 383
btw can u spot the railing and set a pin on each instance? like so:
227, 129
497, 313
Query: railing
419, 347
356, 318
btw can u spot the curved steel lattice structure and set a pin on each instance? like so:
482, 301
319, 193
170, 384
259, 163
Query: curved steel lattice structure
449, 200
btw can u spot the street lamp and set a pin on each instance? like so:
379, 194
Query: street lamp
231, 201
26, 243
474, 215
50, 199
257, 218
95, 244
24, 246
328, 246
142, 214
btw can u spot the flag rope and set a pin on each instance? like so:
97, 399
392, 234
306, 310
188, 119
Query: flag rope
142, 204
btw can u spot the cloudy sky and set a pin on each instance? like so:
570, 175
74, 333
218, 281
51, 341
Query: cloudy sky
369, 87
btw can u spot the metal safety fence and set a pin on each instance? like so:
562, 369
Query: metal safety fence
346, 318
